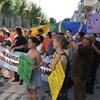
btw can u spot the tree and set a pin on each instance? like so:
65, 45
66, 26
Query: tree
44, 19
16, 10
34, 14
7, 9
21, 12
52, 20
66, 19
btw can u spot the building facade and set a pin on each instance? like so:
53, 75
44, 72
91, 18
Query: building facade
84, 7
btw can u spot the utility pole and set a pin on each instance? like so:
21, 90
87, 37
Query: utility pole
26, 9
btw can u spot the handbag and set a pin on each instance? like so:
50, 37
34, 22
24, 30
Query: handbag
70, 82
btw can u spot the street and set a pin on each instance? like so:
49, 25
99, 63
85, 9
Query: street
13, 91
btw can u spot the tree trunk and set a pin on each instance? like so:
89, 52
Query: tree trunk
8, 22
1, 17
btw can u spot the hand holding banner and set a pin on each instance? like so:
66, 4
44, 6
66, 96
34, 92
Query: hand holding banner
24, 68
56, 80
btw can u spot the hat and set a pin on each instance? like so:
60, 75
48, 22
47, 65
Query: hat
7, 33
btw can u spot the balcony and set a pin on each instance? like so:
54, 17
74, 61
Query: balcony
86, 5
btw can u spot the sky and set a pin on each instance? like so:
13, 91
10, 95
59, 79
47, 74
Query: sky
58, 9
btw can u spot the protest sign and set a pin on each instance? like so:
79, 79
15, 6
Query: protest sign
93, 23
8, 60
24, 68
45, 67
46, 42
56, 80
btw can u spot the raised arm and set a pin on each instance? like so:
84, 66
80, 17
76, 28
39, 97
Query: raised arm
76, 35
96, 49
59, 30
72, 43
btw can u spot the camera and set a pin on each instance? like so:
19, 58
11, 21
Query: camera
67, 37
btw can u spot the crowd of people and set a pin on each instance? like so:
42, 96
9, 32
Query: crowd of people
81, 65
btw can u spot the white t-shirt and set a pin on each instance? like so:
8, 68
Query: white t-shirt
39, 48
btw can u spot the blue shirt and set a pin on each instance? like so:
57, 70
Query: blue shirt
51, 50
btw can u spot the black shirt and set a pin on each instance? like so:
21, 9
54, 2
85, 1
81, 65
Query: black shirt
96, 56
18, 41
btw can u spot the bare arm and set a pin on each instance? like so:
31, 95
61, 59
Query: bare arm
19, 47
64, 62
74, 45
38, 60
76, 35
43, 49
60, 27
54, 62
96, 49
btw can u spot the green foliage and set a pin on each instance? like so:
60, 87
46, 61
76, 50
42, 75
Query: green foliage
15, 8
52, 20
43, 19
7, 8
66, 19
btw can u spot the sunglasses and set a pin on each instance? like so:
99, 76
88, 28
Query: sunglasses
53, 35
85, 38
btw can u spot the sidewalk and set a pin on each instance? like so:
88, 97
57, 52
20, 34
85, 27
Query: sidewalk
13, 91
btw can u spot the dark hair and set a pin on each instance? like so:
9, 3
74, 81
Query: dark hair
94, 34
49, 33
19, 30
63, 40
40, 30
69, 30
30, 31
81, 34
41, 37
34, 40
7, 33
60, 33
55, 32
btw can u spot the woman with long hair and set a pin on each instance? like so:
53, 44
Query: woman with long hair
18, 45
40, 46
60, 43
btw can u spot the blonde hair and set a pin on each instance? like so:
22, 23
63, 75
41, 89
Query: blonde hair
64, 42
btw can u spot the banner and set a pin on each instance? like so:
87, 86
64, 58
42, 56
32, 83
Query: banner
55, 27
45, 67
24, 68
56, 80
35, 30
93, 23
46, 42
10, 60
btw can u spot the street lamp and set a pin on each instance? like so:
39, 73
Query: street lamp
39, 20
25, 9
